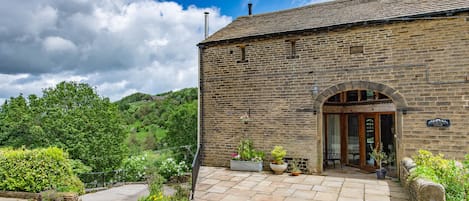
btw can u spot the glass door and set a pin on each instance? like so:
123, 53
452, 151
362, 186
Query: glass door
332, 147
352, 137
388, 141
370, 138
353, 145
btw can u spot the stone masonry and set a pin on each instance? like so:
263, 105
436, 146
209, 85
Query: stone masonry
422, 65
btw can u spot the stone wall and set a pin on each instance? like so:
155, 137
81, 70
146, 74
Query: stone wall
424, 62
420, 189
45, 195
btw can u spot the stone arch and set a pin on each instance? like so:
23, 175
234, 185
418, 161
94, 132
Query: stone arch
393, 94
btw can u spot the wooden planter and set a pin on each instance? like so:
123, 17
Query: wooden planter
252, 166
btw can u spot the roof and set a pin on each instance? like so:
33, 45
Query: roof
329, 14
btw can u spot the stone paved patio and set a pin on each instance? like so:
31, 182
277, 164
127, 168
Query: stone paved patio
346, 184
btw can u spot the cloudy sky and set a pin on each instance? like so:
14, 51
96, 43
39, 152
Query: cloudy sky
118, 46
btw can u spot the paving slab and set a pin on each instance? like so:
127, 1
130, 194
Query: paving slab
122, 193
346, 184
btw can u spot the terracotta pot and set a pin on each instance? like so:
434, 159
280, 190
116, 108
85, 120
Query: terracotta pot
295, 173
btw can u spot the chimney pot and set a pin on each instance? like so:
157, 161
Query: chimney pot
250, 8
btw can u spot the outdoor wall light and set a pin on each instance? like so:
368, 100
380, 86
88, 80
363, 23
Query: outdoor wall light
315, 90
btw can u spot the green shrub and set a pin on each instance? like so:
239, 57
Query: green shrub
37, 170
78, 167
135, 167
449, 173
155, 183
170, 167
278, 153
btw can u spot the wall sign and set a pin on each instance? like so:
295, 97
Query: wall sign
438, 122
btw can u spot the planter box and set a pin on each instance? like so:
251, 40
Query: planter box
246, 165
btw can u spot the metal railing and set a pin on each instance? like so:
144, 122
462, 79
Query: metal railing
94, 180
195, 171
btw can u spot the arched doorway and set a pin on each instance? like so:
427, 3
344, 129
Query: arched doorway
355, 118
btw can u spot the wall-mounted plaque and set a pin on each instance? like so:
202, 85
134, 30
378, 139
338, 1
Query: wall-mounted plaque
438, 122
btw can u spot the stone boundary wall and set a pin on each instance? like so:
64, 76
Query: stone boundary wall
419, 189
46, 195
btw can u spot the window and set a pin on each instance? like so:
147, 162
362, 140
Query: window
334, 98
292, 48
242, 49
357, 97
352, 96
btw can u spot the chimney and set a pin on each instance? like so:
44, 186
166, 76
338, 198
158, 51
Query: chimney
250, 8
206, 23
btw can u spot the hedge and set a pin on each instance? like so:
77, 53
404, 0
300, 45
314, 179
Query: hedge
37, 170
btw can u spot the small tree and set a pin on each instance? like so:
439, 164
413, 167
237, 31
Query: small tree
182, 130
70, 116
378, 155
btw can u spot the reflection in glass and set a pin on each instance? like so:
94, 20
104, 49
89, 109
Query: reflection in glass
352, 141
333, 136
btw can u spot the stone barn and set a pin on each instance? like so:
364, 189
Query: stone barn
331, 81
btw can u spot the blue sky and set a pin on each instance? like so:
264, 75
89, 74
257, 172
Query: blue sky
117, 46
236, 8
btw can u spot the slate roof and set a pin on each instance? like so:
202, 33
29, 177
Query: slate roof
340, 12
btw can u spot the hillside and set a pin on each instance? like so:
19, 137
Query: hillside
146, 117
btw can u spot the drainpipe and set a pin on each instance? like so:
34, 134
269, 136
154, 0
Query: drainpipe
200, 102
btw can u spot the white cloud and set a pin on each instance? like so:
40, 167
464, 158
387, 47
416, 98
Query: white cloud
54, 43
119, 46
307, 2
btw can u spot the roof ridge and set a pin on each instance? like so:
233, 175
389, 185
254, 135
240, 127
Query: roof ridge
339, 12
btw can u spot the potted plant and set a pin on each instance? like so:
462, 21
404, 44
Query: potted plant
295, 169
278, 165
245, 118
247, 158
379, 156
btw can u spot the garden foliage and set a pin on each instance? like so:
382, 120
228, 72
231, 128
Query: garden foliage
453, 175
278, 153
70, 116
182, 131
37, 170
155, 183
135, 167
164, 121
171, 167
247, 152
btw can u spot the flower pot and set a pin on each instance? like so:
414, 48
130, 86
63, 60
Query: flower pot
253, 166
381, 173
278, 169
